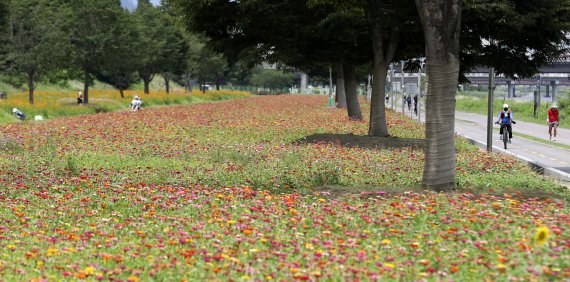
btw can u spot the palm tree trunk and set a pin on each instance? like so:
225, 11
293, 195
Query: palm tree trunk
353, 105
340, 88
441, 20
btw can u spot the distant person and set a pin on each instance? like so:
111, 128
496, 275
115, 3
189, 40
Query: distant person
506, 117
136, 103
79, 98
552, 120
409, 101
387, 98
416, 105
18, 114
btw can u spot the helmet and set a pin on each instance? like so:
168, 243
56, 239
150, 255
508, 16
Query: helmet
505, 105
14, 110
554, 105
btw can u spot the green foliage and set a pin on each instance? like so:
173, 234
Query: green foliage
96, 33
519, 36
36, 44
272, 79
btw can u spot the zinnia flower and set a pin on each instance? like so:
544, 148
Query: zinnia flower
542, 234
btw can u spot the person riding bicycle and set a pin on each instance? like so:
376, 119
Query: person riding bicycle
506, 117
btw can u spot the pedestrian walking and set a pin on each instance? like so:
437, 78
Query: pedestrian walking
552, 120
416, 105
409, 101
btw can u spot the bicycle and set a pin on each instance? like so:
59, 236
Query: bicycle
505, 138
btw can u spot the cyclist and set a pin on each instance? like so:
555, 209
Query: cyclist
506, 117
552, 120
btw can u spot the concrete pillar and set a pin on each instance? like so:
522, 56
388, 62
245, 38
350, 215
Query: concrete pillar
510, 89
547, 90
554, 83
304, 82
514, 90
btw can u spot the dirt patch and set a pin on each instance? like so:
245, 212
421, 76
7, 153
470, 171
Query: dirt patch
361, 141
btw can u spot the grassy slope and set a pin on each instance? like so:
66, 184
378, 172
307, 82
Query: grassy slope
72, 86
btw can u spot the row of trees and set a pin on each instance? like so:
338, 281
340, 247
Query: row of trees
98, 39
514, 37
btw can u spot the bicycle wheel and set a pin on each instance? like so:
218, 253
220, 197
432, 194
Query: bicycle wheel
505, 136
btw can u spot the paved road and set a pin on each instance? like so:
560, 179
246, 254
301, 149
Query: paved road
475, 127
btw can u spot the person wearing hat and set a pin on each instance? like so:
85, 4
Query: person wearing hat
552, 120
18, 114
136, 103
506, 117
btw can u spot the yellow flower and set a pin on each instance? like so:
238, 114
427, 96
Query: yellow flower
501, 268
90, 270
542, 234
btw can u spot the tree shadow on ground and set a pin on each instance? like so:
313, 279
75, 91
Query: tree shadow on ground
365, 192
362, 141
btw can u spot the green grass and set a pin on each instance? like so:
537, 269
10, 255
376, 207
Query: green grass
523, 111
543, 141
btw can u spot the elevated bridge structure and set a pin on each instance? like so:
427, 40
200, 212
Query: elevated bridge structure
549, 77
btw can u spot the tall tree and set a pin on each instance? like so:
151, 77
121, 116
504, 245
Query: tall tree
441, 21
515, 37
210, 67
388, 23
289, 32
163, 46
36, 43
120, 67
95, 33
175, 56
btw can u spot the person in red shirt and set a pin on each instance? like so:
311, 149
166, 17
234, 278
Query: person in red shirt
552, 120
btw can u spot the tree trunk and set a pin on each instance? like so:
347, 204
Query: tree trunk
378, 125
146, 84
384, 44
340, 88
122, 92
352, 103
167, 84
441, 21
31, 87
86, 88
217, 85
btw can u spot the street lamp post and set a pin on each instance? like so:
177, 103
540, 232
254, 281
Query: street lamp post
402, 85
490, 110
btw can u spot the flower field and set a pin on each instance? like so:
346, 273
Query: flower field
233, 191
53, 104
